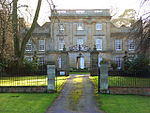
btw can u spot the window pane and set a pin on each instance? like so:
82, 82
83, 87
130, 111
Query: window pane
80, 42
99, 44
29, 45
98, 26
61, 27
41, 45
118, 44
119, 62
131, 44
41, 60
61, 44
79, 26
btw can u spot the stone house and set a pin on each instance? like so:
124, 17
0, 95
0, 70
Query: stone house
79, 31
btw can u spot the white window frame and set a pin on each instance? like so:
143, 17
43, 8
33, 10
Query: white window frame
41, 61
80, 27
131, 43
118, 44
80, 42
29, 43
40, 45
99, 26
99, 43
61, 44
61, 27
118, 61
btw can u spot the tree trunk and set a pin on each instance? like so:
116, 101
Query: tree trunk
15, 28
19, 52
29, 33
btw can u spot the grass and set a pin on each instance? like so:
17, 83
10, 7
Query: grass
60, 81
25, 103
29, 81
124, 103
116, 81
29, 102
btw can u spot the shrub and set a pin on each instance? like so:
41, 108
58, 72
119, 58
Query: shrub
104, 61
114, 65
139, 63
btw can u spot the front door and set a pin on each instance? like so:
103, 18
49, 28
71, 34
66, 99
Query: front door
81, 62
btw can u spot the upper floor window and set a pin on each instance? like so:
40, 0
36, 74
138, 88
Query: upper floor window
118, 44
99, 44
41, 60
41, 45
61, 27
99, 26
61, 44
131, 43
29, 45
80, 26
80, 42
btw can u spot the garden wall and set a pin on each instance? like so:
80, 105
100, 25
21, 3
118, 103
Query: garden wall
23, 89
122, 90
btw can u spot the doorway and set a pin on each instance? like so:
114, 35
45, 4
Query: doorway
80, 62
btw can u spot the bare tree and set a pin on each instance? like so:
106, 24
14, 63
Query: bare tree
142, 33
5, 28
19, 47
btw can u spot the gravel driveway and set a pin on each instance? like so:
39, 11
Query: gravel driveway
77, 96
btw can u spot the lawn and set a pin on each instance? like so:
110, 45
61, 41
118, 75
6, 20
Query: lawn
124, 103
25, 103
118, 81
29, 102
29, 81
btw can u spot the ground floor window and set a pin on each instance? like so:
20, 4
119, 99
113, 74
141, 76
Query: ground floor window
118, 62
59, 61
41, 60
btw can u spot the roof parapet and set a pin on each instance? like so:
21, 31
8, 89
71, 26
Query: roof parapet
82, 12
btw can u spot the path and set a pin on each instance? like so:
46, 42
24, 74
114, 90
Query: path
77, 96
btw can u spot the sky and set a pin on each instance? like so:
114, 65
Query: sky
116, 5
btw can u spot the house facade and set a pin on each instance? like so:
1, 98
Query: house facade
79, 31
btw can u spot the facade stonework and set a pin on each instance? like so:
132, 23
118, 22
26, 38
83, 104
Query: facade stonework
80, 31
